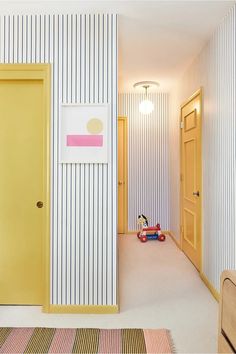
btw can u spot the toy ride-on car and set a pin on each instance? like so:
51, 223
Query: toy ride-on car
149, 232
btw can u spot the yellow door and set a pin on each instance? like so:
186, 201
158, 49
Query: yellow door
122, 176
191, 178
23, 144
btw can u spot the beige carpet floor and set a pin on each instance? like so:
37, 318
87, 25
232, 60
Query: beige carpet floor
159, 288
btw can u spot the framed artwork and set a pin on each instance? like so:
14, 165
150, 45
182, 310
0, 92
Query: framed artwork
84, 133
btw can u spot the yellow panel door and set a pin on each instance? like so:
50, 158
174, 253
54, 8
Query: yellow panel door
122, 176
191, 179
22, 148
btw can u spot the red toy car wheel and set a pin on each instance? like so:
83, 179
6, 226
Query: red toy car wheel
138, 234
143, 238
161, 237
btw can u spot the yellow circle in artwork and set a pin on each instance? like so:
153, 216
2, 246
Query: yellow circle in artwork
95, 126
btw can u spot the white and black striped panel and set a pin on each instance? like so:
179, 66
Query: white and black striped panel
214, 70
219, 151
83, 52
148, 154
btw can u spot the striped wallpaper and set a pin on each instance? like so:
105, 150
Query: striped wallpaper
215, 70
148, 152
83, 52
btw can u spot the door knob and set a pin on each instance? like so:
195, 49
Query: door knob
196, 194
39, 204
120, 182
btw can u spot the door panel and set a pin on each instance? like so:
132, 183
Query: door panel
122, 177
22, 148
190, 170
190, 121
191, 179
190, 227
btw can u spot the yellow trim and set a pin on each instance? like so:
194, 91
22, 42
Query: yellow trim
199, 93
124, 119
39, 72
83, 309
23, 67
47, 69
194, 95
214, 292
174, 239
126, 197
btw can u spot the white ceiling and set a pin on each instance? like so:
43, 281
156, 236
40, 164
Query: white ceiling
157, 39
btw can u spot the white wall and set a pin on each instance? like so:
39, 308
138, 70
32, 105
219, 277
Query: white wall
214, 70
83, 52
148, 151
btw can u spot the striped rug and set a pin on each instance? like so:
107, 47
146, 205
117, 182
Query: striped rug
63, 340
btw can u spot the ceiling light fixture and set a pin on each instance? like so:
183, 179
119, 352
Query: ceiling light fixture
146, 106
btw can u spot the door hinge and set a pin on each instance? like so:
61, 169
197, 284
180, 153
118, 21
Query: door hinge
181, 177
181, 229
181, 125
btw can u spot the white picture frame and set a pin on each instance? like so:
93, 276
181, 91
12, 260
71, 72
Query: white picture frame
84, 133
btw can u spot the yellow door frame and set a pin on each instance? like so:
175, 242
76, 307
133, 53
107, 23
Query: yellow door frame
39, 72
195, 94
124, 119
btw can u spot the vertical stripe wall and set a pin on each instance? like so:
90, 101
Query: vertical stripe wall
214, 70
148, 152
82, 50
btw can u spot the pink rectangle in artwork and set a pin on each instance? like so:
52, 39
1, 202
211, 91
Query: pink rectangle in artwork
84, 140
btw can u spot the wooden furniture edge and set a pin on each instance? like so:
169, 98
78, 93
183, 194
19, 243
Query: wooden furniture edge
223, 345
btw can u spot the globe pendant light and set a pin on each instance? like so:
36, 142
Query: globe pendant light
146, 106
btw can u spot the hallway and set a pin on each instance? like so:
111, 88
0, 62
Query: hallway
159, 288
163, 289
